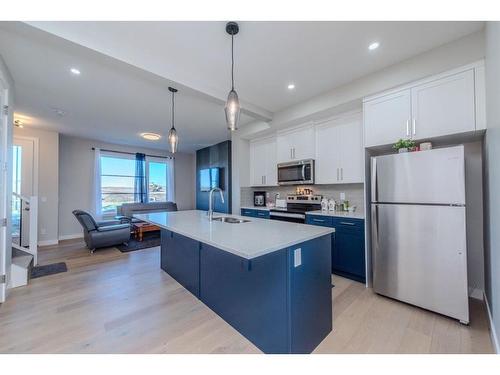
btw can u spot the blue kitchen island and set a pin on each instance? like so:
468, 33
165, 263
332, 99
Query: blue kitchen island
270, 280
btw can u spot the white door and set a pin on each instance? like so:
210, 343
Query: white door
3, 192
443, 107
271, 178
351, 151
303, 143
258, 151
328, 142
387, 119
23, 179
284, 147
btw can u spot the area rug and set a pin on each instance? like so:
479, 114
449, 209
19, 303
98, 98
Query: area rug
151, 239
48, 269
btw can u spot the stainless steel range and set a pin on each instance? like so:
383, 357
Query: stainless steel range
296, 208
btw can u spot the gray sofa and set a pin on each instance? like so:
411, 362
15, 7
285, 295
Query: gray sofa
125, 213
102, 234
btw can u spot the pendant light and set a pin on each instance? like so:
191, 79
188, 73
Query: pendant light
173, 138
232, 107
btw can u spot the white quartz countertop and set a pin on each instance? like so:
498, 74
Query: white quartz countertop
259, 208
248, 240
352, 215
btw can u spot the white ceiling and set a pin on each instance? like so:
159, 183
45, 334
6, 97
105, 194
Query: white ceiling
127, 66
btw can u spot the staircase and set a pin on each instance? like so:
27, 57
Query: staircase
22, 262
24, 257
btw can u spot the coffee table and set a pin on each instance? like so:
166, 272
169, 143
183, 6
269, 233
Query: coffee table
141, 228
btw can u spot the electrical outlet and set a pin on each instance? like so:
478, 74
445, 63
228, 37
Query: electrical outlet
43, 231
342, 196
297, 257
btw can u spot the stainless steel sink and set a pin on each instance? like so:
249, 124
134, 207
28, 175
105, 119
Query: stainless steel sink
230, 220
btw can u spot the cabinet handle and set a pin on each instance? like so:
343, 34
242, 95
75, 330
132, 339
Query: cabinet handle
294, 152
346, 223
318, 220
408, 127
342, 174
414, 126
265, 180
291, 153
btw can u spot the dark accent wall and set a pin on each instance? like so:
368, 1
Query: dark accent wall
219, 156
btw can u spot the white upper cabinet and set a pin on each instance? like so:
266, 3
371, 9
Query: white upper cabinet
387, 118
451, 103
263, 165
296, 144
339, 150
442, 107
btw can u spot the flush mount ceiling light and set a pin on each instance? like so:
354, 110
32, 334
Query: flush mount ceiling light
373, 46
173, 138
75, 71
291, 86
232, 108
151, 136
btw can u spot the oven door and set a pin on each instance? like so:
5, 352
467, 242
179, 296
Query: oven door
295, 173
288, 216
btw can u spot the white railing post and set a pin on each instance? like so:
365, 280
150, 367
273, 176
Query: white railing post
33, 241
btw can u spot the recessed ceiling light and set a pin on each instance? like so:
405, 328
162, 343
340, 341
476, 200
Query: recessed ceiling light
151, 136
291, 86
373, 46
75, 71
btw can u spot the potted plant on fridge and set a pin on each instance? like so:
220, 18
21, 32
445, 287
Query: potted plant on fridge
404, 145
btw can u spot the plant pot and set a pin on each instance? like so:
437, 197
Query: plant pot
402, 150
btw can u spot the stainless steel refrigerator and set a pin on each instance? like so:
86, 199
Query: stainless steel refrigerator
419, 247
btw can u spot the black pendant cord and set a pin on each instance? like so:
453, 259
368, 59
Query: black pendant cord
173, 107
232, 62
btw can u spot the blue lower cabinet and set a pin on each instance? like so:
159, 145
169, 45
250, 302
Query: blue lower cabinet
349, 249
348, 245
310, 294
263, 214
180, 258
248, 294
281, 302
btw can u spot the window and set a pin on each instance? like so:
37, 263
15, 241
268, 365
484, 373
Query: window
157, 181
118, 180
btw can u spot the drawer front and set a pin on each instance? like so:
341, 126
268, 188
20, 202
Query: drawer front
247, 212
324, 221
262, 214
340, 223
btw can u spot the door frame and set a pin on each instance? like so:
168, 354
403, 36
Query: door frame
4, 198
36, 147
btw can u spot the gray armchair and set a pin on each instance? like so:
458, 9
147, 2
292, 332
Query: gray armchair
102, 234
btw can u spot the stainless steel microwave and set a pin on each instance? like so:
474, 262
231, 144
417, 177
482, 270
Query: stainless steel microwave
300, 172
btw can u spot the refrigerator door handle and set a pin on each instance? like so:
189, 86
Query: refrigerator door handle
374, 237
374, 180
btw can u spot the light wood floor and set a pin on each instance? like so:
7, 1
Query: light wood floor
111, 302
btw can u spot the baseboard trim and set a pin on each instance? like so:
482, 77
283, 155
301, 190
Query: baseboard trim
48, 242
493, 332
476, 293
70, 236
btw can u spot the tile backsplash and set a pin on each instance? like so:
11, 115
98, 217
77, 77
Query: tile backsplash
354, 193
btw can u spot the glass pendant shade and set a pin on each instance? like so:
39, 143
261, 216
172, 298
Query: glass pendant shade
173, 140
232, 110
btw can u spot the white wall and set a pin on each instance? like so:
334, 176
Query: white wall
348, 97
75, 178
8, 82
48, 186
492, 175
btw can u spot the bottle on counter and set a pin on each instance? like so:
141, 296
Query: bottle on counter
331, 205
324, 204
